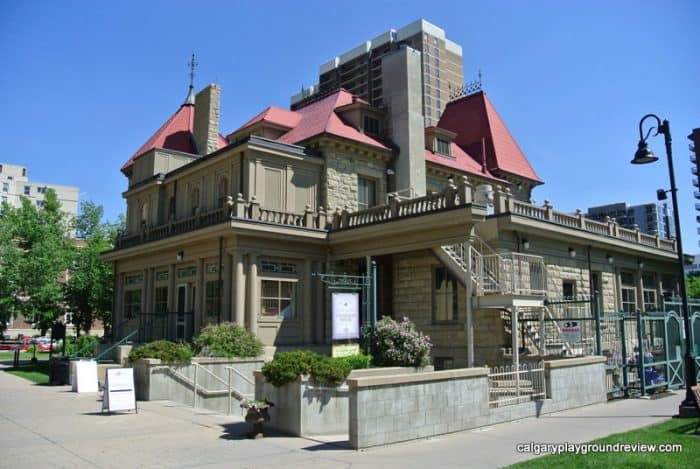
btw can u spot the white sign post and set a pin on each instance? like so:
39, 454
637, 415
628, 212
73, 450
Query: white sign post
119, 390
346, 315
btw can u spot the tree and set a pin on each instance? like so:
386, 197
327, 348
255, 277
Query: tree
34, 253
692, 285
89, 288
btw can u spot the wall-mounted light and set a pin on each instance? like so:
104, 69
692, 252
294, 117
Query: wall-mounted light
572, 252
390, 172
641, 265
180, 255
526, 243
610, 258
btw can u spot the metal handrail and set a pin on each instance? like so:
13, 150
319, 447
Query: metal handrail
196, 387
245, 378
113, 346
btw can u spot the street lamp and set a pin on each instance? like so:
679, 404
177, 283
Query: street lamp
642, 156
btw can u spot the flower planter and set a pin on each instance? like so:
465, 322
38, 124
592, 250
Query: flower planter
256, 417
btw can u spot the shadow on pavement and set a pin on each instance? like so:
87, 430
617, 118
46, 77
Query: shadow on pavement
329, 446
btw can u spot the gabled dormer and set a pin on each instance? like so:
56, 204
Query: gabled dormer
363, 116
439, 141
271, 123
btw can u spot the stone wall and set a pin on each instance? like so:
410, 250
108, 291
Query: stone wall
340, 181
575, 382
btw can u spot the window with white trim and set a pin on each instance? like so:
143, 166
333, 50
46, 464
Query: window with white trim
132, 303
277, 298
649, 291
212, 298
366, 193
160, 303
628, 292
444, 296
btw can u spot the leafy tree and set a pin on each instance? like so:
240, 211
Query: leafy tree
692, 285
90, 281
34, 252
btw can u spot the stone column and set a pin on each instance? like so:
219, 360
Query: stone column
319, 307
198, 295
239, 291
172, 296
146, 285
118, 306
254, 300
307, 305
227, 279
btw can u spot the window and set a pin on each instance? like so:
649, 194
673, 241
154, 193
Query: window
436, 52
4, 198
427, 79
277, 298
427, 67
144, 213
444, 296
443, 146
628, 292
160, 303
444, 363
6, 187
427, 100
41, 190
39, 203
27, 190
366, 193
437, 61
212, 299
568, 288
223, 190
649, 291
24, 172
132, 303
371, 125
194, 201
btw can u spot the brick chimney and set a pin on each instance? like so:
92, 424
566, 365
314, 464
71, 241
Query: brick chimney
207, 109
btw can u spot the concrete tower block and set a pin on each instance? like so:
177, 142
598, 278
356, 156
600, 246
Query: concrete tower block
206, 119
403, 96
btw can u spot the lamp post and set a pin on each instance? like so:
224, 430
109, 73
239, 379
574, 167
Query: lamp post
642, 156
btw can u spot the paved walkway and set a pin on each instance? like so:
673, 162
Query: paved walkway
54, 427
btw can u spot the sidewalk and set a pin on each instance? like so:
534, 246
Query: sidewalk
55, 427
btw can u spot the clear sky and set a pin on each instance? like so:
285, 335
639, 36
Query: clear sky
84, 83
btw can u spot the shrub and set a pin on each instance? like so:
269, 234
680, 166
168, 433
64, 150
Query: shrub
397, 343
358, 362
164, 350
85, 344
289, 366
227, 340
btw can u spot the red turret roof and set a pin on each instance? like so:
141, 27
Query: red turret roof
459, 160
176, 134
480, 130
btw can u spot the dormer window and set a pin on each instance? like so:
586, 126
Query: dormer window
371, 125
443, 146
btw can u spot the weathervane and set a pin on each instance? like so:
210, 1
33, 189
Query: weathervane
190, 93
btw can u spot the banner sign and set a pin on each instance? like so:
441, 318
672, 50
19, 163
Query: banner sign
346, 315
119, 390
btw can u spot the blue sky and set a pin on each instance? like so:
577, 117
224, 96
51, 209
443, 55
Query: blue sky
83, 83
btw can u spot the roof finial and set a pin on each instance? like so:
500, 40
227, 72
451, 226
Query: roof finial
190, 93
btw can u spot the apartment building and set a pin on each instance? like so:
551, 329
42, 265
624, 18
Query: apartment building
650, 218
15, 183
360, 71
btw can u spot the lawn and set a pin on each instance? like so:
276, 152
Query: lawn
673, 431
9, 356
37, 373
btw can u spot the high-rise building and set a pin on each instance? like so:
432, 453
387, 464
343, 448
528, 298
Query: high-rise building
695, 159
360, 70
15, 183
651, 218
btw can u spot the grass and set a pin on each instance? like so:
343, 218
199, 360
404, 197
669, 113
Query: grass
9, 356
37, 373
673, 431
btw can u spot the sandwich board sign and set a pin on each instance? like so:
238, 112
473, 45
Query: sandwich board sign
119, 390
85, 376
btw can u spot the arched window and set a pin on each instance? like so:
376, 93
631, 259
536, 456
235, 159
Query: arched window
223, 190
194, 200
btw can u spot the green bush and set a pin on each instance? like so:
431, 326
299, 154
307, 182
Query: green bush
289, 366
358, 362
164, 350
397, 343
85, 345
227, 340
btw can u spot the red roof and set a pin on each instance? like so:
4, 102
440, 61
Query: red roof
319, 117
459, 160
479, 127
275, 115
176, 134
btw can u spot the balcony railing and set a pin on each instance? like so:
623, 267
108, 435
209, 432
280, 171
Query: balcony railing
233, 210
506, 203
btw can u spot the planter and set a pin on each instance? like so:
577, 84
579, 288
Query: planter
256, 417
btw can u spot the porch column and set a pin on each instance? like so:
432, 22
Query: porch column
198, 295
516, 347
254, 301
118, 307
319, 306
226, 288
307, 305
144, 294
239, 291
469, 306
149, 285
172, 306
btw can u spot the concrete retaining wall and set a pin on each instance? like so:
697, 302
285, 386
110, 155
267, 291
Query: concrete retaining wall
389, 409
155, 380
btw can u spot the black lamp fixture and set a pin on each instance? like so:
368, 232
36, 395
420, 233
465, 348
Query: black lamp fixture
609, 258
572, 252
525, 243
180, 255
644, 155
